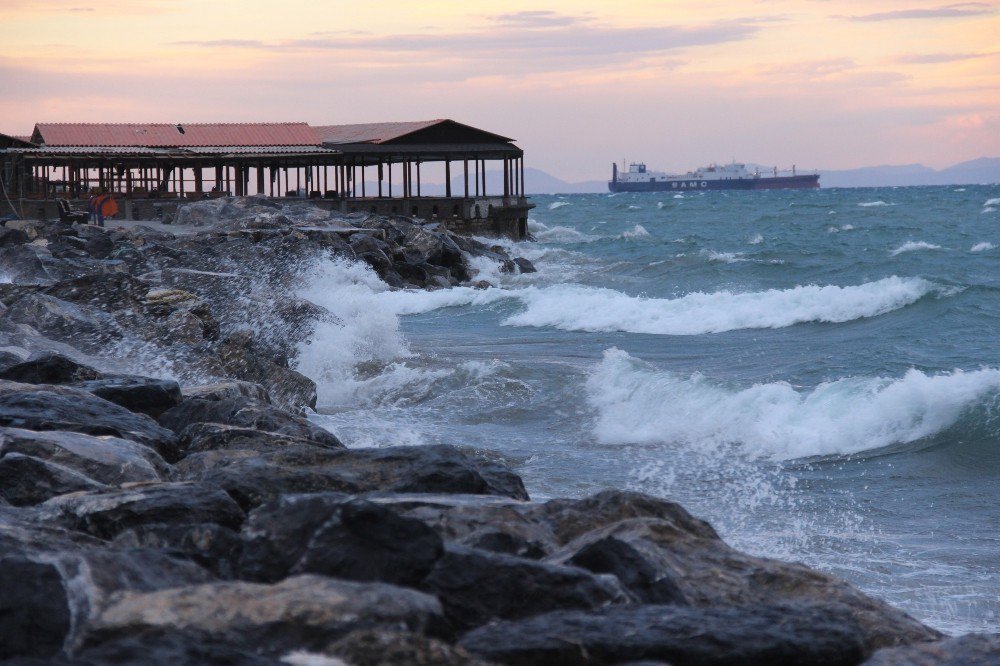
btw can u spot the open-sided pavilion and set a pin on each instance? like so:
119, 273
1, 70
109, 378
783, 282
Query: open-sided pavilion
375, 167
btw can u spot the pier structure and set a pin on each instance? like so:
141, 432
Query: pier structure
381, 168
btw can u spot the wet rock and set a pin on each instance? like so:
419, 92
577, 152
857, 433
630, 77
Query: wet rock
83, 326
254, 478
49, 368
659, 556
22, 265
106, 513
475, 586
245, 413
216, 436
968, 650
286, 387
387, 648
215, 548
758, 634
338, 537
108, 460
144, 395
227, 390
64, 408
524, 266
26, 481
107, 291
145, 649
300, 613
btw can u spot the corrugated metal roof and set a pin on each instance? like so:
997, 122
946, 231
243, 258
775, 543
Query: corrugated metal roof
370, 132
167, 135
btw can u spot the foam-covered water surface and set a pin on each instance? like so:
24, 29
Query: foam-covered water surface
815, 372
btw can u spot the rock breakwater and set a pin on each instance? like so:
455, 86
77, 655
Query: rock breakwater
164, 497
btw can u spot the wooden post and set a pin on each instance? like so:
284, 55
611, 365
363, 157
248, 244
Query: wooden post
418, 178
506, 177
390, 177
483, 170
465, 175
447, 178
476, 160
380, 178
362, 180
522, 175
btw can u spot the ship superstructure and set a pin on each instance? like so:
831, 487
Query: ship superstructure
732, 176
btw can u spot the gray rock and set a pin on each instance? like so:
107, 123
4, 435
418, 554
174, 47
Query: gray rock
84, 326
524, 266
968, 650
144, 395
288, 388
217, 436
108, 460
375, 647
227, 390
758, 634
303, 612
476, 586
64, 408
25, 481
22, 265
106, 513
215, 548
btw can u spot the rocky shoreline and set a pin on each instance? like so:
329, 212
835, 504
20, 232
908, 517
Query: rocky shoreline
205, 520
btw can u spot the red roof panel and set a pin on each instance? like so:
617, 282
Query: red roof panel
163, 135
370, 132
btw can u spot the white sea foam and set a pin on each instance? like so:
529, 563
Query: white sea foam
992, 202
960, 189
982, 247
756, 239
989, 209
5, 279
678, 196
723, 257
558, 234
870, 204
660, 204
638, 231
912, 246
559, 204
579, 308
638, 404
634, 207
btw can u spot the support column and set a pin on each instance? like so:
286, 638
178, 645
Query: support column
418, 178
522, 175
380, 178
506, 177
465, 175
447, 178
362, 180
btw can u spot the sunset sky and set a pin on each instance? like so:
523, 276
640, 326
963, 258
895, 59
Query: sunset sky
822, 84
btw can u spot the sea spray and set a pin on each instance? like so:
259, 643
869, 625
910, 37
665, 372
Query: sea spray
913, 246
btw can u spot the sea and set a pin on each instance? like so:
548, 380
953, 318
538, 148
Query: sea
816, 373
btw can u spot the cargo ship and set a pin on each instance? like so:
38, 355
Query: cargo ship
713, 177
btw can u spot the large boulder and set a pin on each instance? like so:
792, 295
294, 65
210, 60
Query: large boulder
336, 536
199, 437
108, 460
106, 291
379, 647
228, 390
241, 357
257, 477
82, 325
65, 408
476, 586
245, 413
214, 547
759, 634
144, 395
49, 368
299, 613
106, 513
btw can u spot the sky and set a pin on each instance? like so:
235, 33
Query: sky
831, 84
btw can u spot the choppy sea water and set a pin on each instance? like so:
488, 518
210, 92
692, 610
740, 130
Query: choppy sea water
816, 373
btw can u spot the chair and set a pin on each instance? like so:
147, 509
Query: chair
67, 215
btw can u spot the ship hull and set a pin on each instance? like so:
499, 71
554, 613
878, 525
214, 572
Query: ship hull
804, 182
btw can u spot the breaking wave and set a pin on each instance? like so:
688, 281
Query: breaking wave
638, 231
911, 246
992, 202
982, 247
559, 204
870, 204
637, 404
579, 308
559, 235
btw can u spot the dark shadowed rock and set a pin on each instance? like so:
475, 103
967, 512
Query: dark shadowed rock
356, 540
34, 612
304, 612
636, 573
25, 480
214, 547
524, 266
64, 408
243, 359
475, 586
247, 414
968, 650
386, 648
49, 368
144, 395
108, 460
759, 634
107, 513
83, 326
22, 265
12, 237
106, 291
151, 648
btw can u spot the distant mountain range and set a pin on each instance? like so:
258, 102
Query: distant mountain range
982, 170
